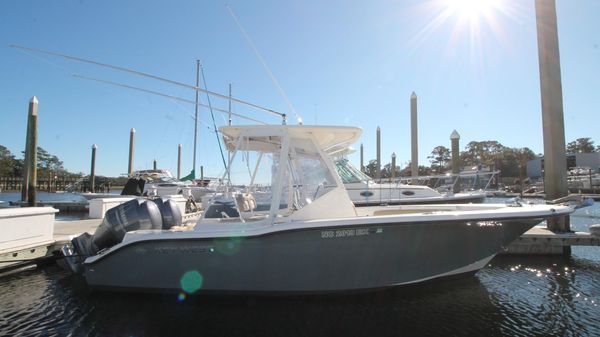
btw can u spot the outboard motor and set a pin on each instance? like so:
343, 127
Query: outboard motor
170, 213
136, 214
221, 209
134, 186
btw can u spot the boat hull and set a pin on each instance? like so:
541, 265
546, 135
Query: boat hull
306, 260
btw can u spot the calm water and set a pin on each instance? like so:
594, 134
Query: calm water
522, 296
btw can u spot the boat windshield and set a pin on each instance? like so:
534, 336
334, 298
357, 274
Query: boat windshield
306, 178
264, 180
155, 176
348, 173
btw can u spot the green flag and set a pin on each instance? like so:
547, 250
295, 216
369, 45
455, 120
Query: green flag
190, 176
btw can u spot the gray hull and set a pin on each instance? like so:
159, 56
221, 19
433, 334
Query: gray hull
314, 260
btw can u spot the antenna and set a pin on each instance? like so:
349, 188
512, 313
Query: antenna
264, 64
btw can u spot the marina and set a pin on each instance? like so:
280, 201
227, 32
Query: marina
273, 224
512, 295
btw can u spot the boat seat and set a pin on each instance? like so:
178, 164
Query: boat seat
245, 202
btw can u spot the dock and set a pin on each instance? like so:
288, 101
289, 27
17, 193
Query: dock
64, 231
541, 241
61, 206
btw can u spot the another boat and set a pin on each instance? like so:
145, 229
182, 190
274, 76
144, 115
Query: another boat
364, 191
161, 182
312, 239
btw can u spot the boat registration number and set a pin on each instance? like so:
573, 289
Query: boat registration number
343, 233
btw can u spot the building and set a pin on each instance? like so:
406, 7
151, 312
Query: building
590, 160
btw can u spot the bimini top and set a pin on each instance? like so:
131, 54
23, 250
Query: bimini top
330, 139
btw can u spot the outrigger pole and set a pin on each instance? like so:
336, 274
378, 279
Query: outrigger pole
165, 95
139, 73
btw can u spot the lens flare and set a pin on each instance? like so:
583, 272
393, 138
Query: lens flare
191, 281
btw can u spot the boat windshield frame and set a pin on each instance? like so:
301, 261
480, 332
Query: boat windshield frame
350, 174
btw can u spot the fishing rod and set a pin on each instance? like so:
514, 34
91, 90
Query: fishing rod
154, 77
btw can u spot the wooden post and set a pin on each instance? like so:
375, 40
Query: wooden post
93, 170
154, 165
378, 168
201, 173
454, 140
414, 161
131, 151
30, 169
362, 157
393, 168
179, 161
552, 108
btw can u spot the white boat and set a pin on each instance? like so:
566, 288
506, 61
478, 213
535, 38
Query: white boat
161, 182
312, 238
364, 191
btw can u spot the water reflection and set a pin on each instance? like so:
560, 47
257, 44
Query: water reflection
513, 296
62, 305
545, 295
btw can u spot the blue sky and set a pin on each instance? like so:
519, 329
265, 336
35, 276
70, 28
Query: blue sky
339, 62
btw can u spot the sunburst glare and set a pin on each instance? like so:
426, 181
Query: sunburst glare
473, 9
470, 24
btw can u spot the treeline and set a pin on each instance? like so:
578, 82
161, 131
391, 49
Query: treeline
489, 153
47, 164
50, 170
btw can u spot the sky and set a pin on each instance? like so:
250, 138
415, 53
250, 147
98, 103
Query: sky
472, 63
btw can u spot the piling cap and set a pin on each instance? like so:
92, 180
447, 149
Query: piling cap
378, 129
393, 154
133, 130
94, 146
34, 100
454, 135
413, 95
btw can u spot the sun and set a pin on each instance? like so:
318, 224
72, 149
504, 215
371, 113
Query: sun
472, 9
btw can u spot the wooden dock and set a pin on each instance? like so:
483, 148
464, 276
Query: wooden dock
61, 206
541, 241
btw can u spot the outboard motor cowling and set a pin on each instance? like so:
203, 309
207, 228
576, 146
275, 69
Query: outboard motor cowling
170, 213
133, 215
136, 214
134, 186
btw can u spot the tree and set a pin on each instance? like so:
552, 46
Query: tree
407, 171
513, 158
386, 171
440, 156
581, 145
371, 168
484, 152
7, 162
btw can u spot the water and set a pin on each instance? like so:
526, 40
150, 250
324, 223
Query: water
45, 196
513, 295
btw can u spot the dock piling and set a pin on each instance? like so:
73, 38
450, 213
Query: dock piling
393, 168
414, 138
378, 168
455, 139
552, 107
362, 158
131, 151
179, 161
93, 170
28, 193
